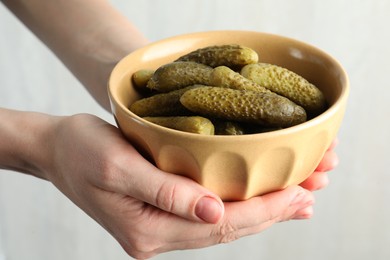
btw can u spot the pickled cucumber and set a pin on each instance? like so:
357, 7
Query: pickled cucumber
191, 124
288, 84
202, 92
228, 128
268, 109
176, 75
231, 55
163, 104
223, 76
141, 78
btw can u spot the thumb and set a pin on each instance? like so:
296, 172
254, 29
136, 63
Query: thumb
176, 194
186, 198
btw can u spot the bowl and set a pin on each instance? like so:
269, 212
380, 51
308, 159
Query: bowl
235, 167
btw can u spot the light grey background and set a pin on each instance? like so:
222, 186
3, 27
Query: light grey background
351, 216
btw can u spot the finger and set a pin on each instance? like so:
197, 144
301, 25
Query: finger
184, 197
133, 175
257, 212
242, 219
303, 200
316, 181
328, 162
213, 240
172, 232
333, 144
304, 213
271, 206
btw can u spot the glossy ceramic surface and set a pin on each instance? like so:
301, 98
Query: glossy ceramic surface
235, 167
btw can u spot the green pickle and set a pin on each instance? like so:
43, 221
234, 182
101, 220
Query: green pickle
225, 90
141, 77
228, 128
288, 84
262, 108
223, 76
231, 55
177, 75
162, 104
191, 124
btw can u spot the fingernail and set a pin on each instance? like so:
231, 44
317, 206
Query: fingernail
209, 210
304, 213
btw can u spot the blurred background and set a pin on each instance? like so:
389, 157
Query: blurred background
352, 215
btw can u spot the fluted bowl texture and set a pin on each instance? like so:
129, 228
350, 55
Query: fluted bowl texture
235, 167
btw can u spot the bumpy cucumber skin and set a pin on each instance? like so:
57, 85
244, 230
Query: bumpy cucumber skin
191, 124
223, 76
231, 55
162, 104
288, 84
177, 75
262, 108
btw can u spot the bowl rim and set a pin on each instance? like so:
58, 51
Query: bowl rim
329, 112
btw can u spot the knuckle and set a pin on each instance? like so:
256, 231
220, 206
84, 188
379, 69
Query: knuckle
138, 254
226, 233
140, 250
108, 174
140, 245
165, 198
109, 169
229, 238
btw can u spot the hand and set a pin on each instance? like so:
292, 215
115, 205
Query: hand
319, 178
146, 210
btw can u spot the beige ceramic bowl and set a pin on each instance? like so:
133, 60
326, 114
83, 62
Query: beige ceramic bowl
235, 167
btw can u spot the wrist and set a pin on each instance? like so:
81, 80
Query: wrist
25, 143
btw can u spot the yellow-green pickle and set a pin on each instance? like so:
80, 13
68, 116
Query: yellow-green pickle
223, 76
223, 127
231, 55
225, 90
288, 84
162, 104
141, 78
262, 108
191, 124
